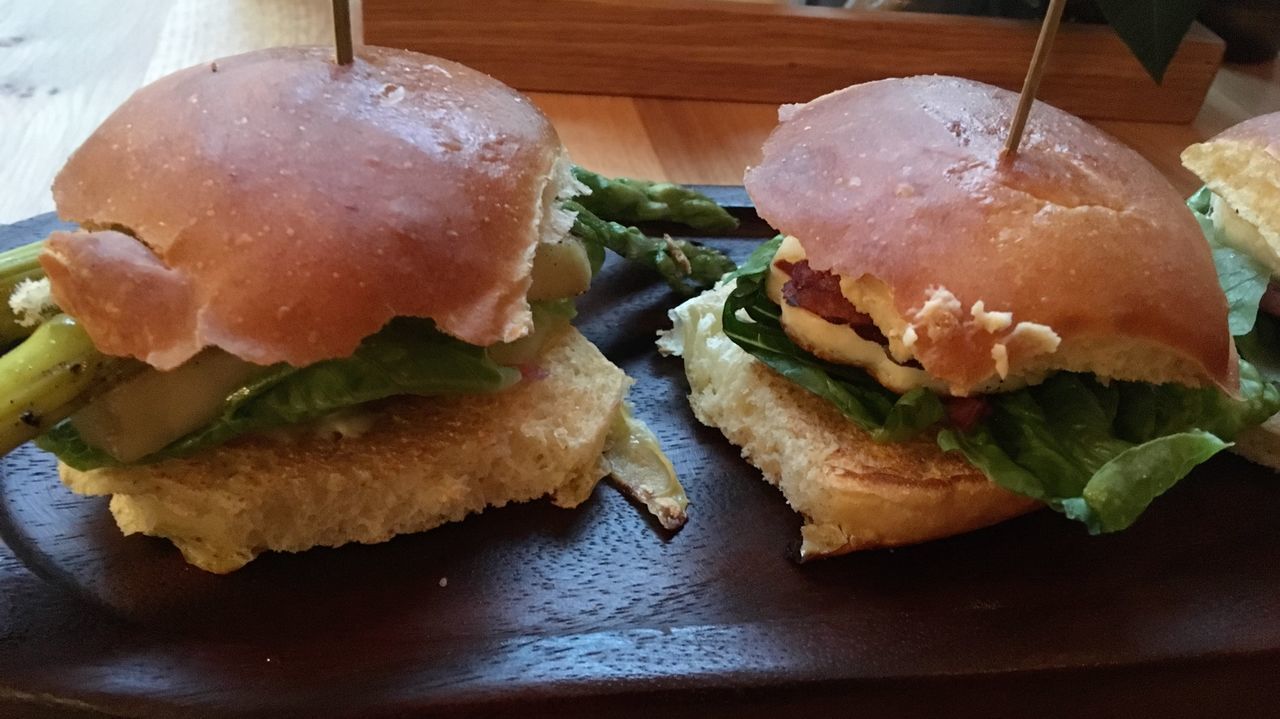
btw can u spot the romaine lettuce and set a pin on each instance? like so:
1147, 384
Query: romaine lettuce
1243, 280
1098, 453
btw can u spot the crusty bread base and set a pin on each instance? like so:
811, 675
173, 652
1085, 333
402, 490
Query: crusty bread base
854, 493
1261, 444
425, 462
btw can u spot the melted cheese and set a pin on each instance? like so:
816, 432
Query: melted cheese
941, 315
1243, 235
839, 343
1000, 353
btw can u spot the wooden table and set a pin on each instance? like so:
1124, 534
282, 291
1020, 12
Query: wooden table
66, 64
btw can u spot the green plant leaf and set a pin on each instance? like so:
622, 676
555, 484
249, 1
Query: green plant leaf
1243, 279
1098, 453
1153, 29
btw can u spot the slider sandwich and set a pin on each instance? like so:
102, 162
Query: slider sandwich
942, 338
313, 304
1239, 211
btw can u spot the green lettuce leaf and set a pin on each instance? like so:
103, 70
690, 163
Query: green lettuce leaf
1243, 278
408, 356
1101, 453
1098, 453
885, 415
1153, 29
1261, 346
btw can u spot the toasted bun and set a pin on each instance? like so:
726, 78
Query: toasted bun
899, 184
426, 461
1242, 165
854, 493
293, 206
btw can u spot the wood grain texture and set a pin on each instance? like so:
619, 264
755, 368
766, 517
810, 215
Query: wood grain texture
198, 31
48, 102
782, 53
700, 141
604, 133
1240, 93
66, 64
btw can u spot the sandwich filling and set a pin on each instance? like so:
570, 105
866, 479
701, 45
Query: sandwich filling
1099, 451
215, 396
852, 320
1248, 266
142, 415
819, 316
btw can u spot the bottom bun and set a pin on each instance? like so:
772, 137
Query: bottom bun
853, 492
1261, 444
425, 461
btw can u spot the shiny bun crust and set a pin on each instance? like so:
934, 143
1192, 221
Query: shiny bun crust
1262, 133
899, 183
291, 207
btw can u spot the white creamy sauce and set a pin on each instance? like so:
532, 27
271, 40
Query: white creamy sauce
840, 343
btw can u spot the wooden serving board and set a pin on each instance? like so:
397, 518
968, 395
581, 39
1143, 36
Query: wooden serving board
777, 52
531, 609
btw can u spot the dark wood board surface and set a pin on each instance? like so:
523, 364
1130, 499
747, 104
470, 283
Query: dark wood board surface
595, 611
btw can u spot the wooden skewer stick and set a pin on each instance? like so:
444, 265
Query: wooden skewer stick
1039, 60
342, 31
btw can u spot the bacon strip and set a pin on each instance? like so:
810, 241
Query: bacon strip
819, 292
965, 413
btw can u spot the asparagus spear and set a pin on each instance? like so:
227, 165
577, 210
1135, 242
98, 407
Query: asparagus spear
687, 267
51, 374
629, 201
16, 265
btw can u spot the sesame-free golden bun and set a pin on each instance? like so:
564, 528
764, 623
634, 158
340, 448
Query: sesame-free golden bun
282, 207
1242, 166
899, 187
